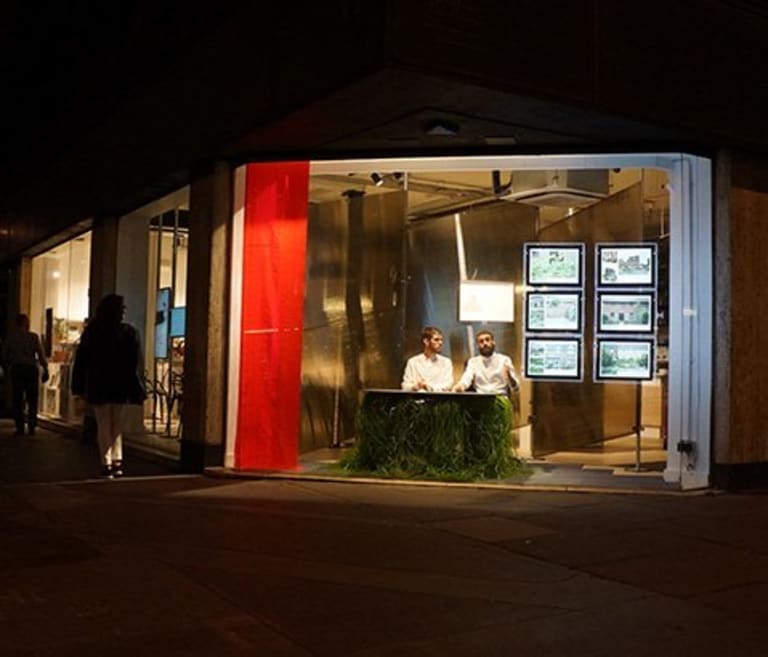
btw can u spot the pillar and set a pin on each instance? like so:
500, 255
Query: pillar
104, 259
205, 359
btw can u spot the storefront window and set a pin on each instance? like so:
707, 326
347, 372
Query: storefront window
595, 333
166, 303
454, 249
58, 311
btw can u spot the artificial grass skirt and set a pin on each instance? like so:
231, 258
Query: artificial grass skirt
434, 438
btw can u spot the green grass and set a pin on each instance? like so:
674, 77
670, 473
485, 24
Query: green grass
432, 438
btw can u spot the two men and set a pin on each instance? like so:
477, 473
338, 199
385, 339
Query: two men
490, 372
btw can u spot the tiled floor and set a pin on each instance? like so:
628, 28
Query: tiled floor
612, 464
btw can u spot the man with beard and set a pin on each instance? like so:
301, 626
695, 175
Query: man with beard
490, 372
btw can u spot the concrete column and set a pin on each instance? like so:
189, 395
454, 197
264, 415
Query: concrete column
205, 359
740, 414
103, 278
19, 292
18, 295
722, 390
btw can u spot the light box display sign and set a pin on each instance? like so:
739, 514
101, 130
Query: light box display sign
625, 360
553, 358
626, 265
553, 311
554, 265
625, 313
486, 301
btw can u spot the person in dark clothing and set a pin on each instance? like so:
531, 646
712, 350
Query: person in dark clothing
107, 373
23, 355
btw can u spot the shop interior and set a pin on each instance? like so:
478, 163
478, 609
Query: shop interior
165, 330
156, 297
58, 311
389, 251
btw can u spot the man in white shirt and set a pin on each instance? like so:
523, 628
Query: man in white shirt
429, 371
490, 372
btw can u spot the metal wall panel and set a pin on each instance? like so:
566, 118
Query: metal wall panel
364, 314
571, 415
493, 237
352, 311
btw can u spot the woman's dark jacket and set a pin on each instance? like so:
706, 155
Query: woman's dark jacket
107, 364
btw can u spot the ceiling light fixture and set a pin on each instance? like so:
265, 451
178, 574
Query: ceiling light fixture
377, 179
441, 128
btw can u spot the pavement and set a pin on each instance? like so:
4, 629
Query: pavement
166, 564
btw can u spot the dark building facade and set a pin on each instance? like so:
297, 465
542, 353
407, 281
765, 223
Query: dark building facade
182, 128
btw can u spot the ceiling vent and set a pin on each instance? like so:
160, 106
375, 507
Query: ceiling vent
561, 188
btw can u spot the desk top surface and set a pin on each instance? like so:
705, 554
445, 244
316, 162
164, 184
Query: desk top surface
422, 393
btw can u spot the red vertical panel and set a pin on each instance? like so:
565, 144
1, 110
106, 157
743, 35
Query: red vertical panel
274, 257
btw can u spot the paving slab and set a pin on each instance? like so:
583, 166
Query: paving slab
193, 565
636, 628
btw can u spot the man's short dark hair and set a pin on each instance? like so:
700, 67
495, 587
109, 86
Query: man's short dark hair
429, 332
484, 332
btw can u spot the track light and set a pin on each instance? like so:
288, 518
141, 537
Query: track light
377, 179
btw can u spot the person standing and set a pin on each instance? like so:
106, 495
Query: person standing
24, 357
429, 371
490, 372
107, 374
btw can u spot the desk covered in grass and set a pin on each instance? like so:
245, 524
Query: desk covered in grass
440, 435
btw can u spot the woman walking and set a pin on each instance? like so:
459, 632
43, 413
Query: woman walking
107, 373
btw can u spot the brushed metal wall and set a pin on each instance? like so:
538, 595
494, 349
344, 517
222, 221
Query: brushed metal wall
493, 237
568, 414
353, 311
374, 280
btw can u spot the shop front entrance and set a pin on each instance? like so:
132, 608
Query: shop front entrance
583, 268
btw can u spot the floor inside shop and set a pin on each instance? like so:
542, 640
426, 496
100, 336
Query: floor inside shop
621, 454
612, 464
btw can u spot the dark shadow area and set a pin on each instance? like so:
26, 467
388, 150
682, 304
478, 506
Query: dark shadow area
51, 457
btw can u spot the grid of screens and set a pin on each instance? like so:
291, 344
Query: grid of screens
554, 311
624, 314
625, 311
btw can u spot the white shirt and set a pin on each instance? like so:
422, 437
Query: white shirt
488, 374
436, 371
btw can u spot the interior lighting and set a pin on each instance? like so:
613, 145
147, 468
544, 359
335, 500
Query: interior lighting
377, 179
56, 273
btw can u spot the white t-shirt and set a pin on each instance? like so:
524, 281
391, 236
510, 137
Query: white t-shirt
437, 371
488, 374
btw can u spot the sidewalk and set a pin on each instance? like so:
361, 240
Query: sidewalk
50, 456
189, 565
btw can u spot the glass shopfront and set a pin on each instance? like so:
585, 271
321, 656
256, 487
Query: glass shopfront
606, 302
58, 312
166, 305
